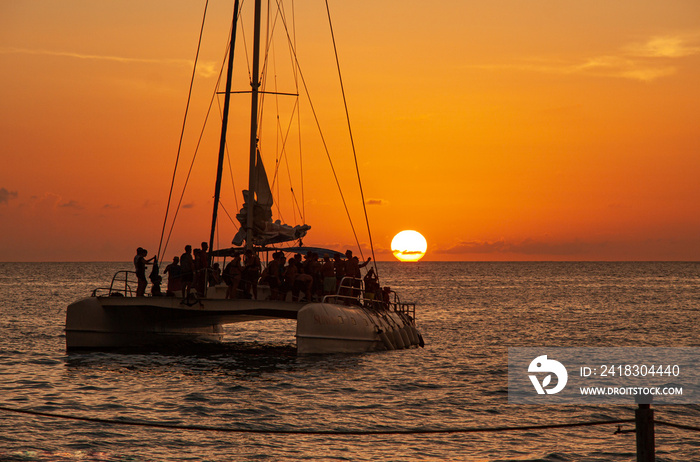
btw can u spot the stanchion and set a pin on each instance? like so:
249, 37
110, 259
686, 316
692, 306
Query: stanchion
644, 419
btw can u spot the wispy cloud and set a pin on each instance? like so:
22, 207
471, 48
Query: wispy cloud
670, 46
6, 195
71, 204
643, 61
525, 247
376, 202
206, 69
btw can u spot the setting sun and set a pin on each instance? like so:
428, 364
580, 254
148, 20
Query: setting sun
409, 245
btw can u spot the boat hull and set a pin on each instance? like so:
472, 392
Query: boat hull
138, 322
126, 322
334, 328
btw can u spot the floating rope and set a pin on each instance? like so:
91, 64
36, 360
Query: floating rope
679, 426
415, 431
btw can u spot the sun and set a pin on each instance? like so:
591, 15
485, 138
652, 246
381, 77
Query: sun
409, 245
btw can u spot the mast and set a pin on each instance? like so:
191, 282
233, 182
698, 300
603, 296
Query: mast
255, 84
224, 127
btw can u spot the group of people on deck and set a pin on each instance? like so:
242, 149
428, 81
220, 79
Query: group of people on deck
306, 278
191, 271
310, 277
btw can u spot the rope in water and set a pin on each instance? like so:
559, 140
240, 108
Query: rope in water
679, 426
414, 431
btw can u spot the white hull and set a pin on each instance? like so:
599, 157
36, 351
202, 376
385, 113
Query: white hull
333, 328
118, 322
127, 322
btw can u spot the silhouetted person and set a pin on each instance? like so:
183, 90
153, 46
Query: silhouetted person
251, 271
371, 285
174, 273
214, 275
140, 263
290, 276
339, 267
328, 273
187, 266
156, 279
274, 275
232, 276
201, 266
352, 269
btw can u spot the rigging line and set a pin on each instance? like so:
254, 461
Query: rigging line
245, 43
270, 51
182, 132
228, 157
263, 71
414, 431
284, 155
268, 41
285, 136
228, 154
279, 154
230, 171
323, 139
298, 113
295, 111
229, 216
352, 142
196, 150
224, 129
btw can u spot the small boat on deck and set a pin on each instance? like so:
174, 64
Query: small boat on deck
354, 318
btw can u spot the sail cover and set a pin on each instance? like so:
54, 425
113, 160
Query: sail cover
265, 231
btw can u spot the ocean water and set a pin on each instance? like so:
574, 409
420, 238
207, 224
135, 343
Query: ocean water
469, 314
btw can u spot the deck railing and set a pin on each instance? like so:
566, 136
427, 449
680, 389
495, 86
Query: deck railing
351, 291
120, 286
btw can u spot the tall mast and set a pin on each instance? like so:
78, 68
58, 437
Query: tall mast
255, 84
224, 127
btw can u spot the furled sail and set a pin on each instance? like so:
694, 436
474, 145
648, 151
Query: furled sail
265, 231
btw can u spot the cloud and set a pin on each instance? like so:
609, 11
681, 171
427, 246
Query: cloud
409, 252
623, 67
6, 195
646, 61
376, 202
525, 247
673, 46
188, 206
205, 69
71, 204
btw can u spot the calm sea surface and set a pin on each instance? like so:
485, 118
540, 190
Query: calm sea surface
469, 313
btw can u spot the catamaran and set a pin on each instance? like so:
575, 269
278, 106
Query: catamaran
353, 318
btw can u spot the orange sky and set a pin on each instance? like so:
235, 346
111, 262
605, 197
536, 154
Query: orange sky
501, 130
